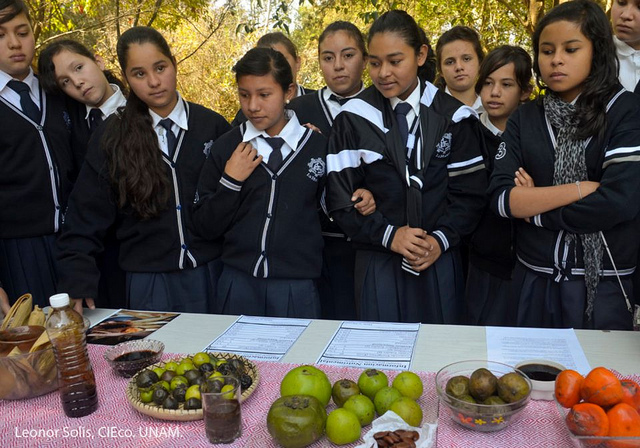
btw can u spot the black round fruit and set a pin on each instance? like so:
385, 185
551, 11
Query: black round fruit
170, 403
159, 395
146, 378
193, 403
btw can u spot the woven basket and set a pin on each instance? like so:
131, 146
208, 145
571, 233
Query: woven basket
180, 414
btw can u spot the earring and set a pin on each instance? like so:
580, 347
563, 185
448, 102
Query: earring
286, 102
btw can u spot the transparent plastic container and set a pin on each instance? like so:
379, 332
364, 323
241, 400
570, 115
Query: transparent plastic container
77, 382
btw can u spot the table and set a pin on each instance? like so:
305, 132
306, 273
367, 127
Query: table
437, 345
115, 423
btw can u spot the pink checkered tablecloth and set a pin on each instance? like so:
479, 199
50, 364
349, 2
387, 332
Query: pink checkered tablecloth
40, 422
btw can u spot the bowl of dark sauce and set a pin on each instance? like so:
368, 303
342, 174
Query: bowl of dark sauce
542, 374
128, 358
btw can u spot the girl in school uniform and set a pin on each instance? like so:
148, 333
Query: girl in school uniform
140, 175
36, 164
625, 18
342, 57
260, 189
93, 93
459, 55
570, 169
427, 194
503, 84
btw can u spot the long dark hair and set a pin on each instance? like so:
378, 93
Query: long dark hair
602, 82
427, 72
347, 27
399, 22
459, 32
261, 61
131, 145
501, 56
47, 69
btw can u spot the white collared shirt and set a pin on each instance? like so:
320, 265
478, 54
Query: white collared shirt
180, 121
12, 96
334, 107
486, 121
477, 104
629, 64
413, 100
291, 134
111, 105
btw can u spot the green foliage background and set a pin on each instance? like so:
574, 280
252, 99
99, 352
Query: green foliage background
208, 36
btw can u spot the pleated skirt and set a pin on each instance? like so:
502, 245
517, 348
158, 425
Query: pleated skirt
541, 302
187, 290
28, 265
241, 293
387, 293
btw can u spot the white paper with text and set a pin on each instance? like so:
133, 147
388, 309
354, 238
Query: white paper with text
379, 345
513, 345
260, 338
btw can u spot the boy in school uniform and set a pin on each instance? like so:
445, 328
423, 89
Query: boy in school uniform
36, 163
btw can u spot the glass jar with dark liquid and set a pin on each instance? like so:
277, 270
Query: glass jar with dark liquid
221, 408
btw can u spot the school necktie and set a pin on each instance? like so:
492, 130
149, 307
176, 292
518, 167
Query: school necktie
172, 141
29, 108
275, 158
337, 99
95, 119
401, 110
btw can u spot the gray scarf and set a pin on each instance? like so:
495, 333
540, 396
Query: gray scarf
569, 167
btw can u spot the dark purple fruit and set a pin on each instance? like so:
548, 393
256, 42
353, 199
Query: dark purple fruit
146, 378
193, 403
159, 395
170, 403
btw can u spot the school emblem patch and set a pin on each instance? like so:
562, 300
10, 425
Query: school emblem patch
207, 148
443, 149
502, 151
316, 169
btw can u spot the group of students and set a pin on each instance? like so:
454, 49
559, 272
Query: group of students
454, 200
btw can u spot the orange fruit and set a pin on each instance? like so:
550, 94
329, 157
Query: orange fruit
601, 387
588, 419
568, 383
631, 394
624, 421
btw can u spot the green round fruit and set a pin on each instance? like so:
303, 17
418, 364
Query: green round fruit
409, 384
307, 380
193, 392
384, 399
201, 358
371, 381
171, 365
146, 395
185, 366
408, 410
342, 390
177, 380
363, 407
158, 371
343, 426
296, 421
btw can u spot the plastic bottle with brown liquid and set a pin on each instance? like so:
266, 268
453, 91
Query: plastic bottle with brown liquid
65, 328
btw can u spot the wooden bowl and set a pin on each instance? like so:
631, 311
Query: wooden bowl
153, 410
